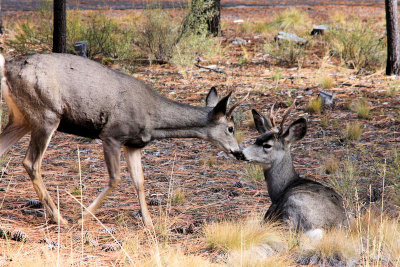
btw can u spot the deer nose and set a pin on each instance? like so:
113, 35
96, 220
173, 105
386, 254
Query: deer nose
239, 155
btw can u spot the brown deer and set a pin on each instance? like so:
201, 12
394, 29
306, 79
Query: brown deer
71, 94
301, 203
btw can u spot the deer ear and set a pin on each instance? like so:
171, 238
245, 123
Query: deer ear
260, 122
296, 131
212, 98
220, 109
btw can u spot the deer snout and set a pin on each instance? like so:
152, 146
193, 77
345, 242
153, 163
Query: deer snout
239, 155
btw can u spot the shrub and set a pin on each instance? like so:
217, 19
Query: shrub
157, 35
286, 52
358, 44
106, 38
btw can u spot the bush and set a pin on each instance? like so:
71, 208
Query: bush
358, 44
158, 35
105, 36
286, 52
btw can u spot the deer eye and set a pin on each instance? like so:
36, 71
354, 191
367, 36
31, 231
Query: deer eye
267, 146
230, 129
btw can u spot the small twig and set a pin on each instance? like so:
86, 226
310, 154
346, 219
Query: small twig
207, 68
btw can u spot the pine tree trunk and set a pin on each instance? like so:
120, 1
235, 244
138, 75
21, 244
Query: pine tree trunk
60, 27
393, 42
213, 24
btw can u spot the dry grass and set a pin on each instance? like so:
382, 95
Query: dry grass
239, 235
353, 131
362, 108
254, 173
331, 165
314, 105
326, 82
336, 244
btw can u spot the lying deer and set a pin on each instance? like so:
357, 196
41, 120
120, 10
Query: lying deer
302, 204
67, 93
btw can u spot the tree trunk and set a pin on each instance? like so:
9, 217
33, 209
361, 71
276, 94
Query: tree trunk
203, 13
213, 23
393, 42
60, 27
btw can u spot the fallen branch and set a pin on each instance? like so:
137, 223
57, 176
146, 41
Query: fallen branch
207, 68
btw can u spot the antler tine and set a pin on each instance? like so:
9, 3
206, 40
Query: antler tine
229, 114
272, 116
285, 114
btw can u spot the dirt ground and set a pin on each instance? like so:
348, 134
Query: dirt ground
207, 177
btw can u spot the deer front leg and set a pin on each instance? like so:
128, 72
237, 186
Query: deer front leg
40, 139
135, 169
112, 154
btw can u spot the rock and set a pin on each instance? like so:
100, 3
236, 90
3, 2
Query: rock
156, 202
110, 230
319, 29
239, 184
238, 21
19, 236
291, 37
81, 48
34, 204
326, 98
109, 247
50, 243
239, 41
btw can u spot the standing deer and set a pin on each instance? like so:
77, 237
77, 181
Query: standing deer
302, 204
49, 92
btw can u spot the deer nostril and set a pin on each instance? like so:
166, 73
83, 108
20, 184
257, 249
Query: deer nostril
239, 155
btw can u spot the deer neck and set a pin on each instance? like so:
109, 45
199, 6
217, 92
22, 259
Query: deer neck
177, 120
279, 177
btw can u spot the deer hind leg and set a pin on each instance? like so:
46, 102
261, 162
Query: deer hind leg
112, 154
136, 171
40, 138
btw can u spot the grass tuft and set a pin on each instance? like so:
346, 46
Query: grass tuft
314, 105
254, 172
229, 235
353, 131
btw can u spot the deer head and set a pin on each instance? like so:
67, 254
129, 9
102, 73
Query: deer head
273, 145
221, 127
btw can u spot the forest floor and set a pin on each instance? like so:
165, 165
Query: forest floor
215, 187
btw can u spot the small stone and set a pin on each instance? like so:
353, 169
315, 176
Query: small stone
239, 41
233, 193
110, 230
19, 236
319, 29
156, 202
34, 204
291, 37
238, 184
109, 247
326, 98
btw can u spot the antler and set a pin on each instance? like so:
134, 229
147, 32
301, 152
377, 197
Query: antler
285, 115
229, 114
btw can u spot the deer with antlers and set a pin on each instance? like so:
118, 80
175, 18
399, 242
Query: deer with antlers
71, 94
301, 203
